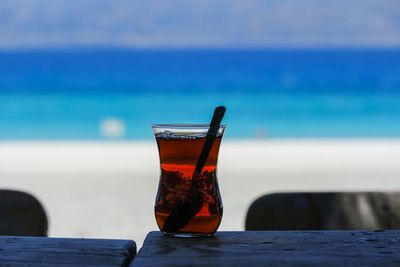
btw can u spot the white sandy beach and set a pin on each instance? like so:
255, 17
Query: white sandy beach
107, 189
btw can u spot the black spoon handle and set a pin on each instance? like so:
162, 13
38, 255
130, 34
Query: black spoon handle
219, 113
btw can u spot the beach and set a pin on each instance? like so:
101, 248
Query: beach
107, 189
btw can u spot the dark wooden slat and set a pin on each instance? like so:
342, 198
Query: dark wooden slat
274, 248
24, 251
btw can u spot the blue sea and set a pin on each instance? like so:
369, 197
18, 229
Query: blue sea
118, 93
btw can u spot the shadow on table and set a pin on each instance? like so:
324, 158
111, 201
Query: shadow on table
325, 211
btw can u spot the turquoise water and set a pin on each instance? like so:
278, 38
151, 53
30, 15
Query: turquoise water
248, 115
268, 94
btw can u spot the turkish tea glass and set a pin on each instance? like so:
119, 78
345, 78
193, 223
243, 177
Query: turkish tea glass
187, 204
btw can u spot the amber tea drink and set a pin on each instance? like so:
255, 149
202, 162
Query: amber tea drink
188, 201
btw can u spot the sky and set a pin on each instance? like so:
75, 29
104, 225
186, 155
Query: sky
199, 23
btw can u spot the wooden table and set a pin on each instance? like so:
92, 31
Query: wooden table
41, 251
274, 248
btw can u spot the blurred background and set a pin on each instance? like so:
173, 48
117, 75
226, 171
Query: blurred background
312, 92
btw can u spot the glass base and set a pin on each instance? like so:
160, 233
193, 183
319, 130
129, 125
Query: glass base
188, 235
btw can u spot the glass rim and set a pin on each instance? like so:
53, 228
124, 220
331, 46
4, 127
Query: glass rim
184, 125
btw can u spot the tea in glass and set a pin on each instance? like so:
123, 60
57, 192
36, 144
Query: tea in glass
187, 203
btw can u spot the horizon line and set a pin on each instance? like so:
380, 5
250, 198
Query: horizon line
95, 48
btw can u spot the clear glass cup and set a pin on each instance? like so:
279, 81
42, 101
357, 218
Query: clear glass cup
187, 204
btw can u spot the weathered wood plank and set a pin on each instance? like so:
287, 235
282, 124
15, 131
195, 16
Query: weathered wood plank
274, 248
39, 251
